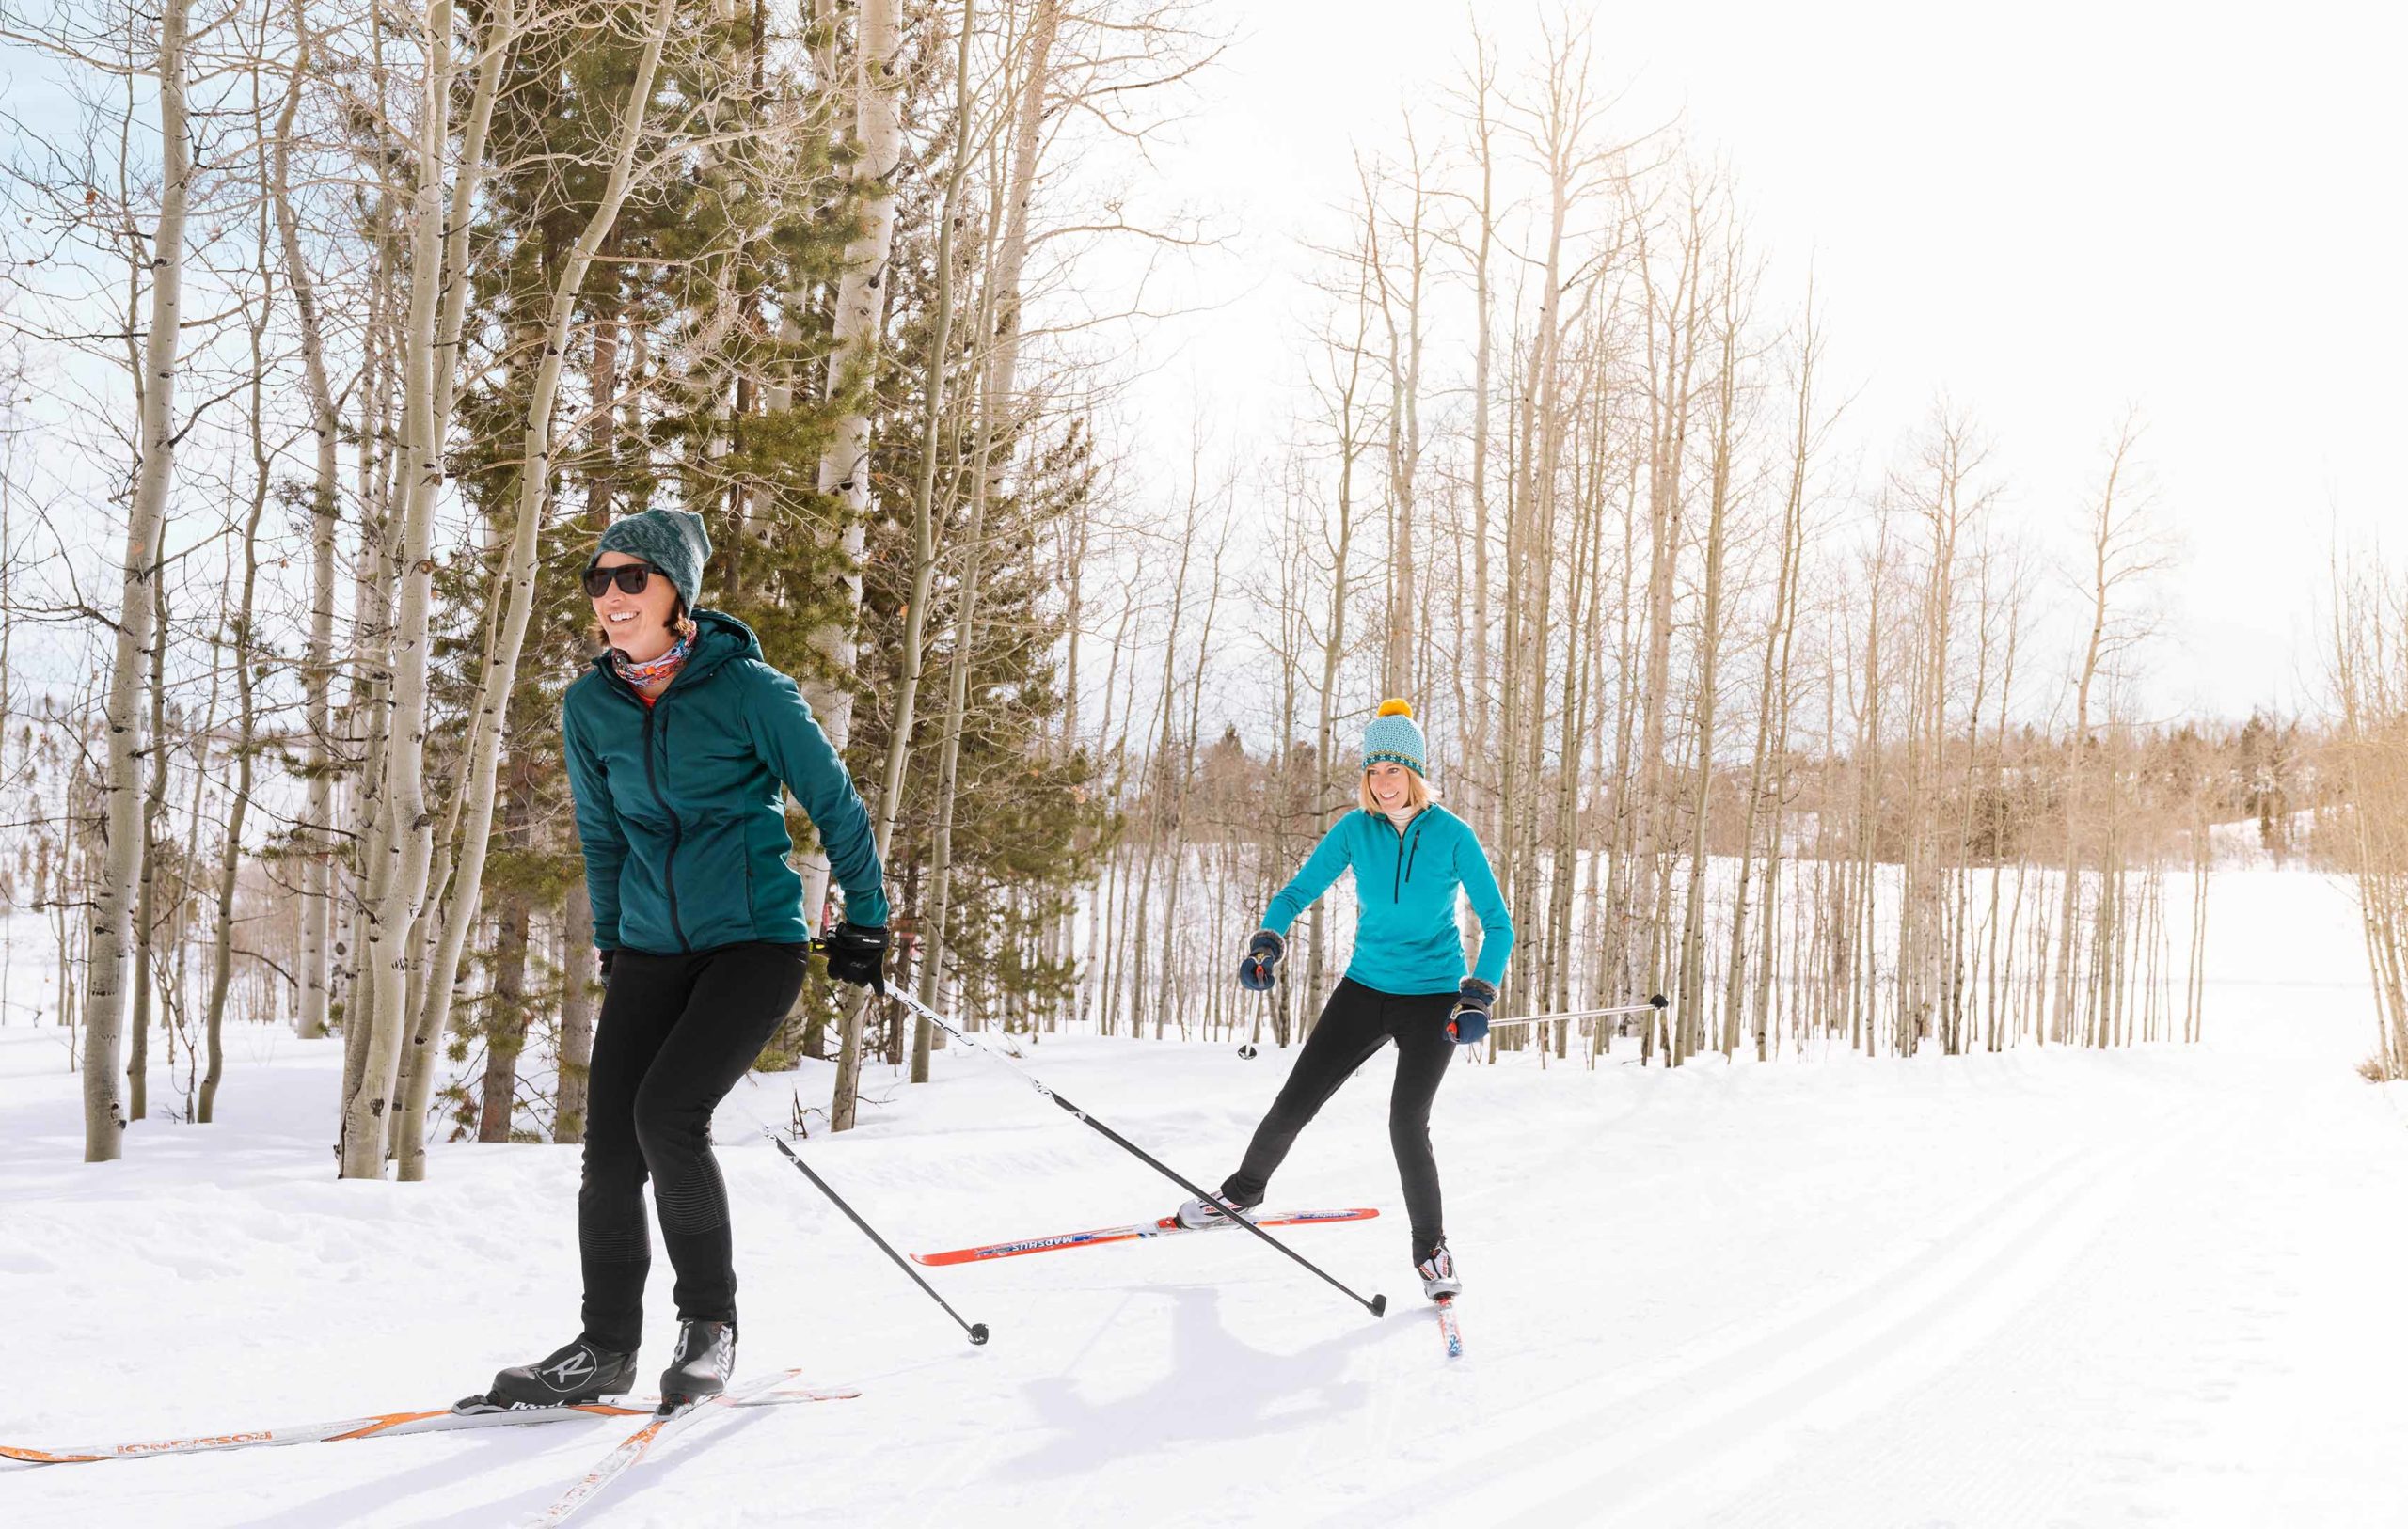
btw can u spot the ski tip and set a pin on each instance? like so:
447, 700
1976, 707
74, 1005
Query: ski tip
978, 1332
1379, 1305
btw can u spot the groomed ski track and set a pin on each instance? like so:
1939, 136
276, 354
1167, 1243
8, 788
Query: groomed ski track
2044, 1288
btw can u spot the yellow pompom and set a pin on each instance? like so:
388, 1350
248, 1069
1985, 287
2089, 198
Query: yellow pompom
1396, 708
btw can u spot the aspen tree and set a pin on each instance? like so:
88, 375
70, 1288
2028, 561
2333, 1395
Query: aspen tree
924, 544
1774, 693
1722, 447
120, 872
577, 982
853, 372
2120, 551
519, 576
313, 837
146, 904
1000, 327
242, 640
398, 879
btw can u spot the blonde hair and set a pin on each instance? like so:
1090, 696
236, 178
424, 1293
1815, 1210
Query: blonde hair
1419, 793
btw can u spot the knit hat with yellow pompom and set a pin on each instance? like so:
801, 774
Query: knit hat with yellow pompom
1395, 737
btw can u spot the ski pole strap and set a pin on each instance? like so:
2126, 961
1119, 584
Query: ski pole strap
1377, 1304
1658, 1001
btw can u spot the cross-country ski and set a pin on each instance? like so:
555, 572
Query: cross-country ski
382, 1426
1135, 1232
1450, 1326
669, 1419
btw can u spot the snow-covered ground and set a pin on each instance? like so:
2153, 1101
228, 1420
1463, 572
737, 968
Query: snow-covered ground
2049, 1289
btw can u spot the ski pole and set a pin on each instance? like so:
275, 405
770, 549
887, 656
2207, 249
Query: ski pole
1377, 1305
978, 1330
1658, 1001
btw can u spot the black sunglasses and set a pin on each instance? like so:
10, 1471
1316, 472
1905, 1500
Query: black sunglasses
630, 577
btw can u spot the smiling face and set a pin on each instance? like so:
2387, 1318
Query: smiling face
637, 625
1390, 785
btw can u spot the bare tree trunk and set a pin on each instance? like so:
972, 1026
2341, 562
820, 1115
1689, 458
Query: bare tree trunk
408, 832
121, 870
1476, 727
146, 907
854, 366
519, 579
506, 1028
844, 468
244, 640
1000, 315
1694, 1004
2107, 532
1772, 715
317, 854
579, 974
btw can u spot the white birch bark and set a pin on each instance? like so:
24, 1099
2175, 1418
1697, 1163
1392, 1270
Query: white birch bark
996, 380
408, 830
923, 547
519, 576
317, 817
861, 303
112, 931
844, 468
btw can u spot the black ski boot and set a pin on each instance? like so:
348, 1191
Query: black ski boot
702, 1364
565, 1378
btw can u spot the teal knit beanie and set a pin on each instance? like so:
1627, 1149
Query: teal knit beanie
673, 541
1395, 737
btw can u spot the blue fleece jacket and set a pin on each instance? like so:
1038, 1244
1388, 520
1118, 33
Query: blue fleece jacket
1405, 880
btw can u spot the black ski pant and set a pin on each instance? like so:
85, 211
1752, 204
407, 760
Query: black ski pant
1356, 1022
676, 1034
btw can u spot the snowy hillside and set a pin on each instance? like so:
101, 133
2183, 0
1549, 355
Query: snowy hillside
2050, 1287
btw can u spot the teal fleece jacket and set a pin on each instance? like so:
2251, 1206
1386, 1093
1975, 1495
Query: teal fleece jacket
1405, 938
677, 805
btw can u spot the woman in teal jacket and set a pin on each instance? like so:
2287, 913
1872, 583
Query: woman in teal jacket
678, 740
1406, 981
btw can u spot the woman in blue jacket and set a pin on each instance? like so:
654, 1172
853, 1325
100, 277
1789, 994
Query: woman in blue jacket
678, 741
1406, 981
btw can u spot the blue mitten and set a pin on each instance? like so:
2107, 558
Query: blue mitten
1263, 953
1475, 1005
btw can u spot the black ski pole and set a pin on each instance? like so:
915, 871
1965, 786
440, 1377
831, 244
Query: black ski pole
978, 1330
1377, 1305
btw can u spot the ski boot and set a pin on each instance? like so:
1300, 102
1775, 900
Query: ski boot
1437, 1271
702, 1364
580, 1372
1208, 1212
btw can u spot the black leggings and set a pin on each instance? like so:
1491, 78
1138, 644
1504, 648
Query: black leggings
1353, 1024
677, 1032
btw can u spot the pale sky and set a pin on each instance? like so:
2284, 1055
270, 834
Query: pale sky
2047, 212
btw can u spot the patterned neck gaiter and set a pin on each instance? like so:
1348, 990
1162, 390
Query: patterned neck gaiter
652, 669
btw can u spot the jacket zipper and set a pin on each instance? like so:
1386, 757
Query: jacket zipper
1403, 861
676, 830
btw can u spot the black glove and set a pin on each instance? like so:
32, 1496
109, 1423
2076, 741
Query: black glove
857, 954
1263, 953
604, 956
1475, 1005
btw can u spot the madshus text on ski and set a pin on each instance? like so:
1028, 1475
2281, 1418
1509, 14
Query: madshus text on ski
679, 743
